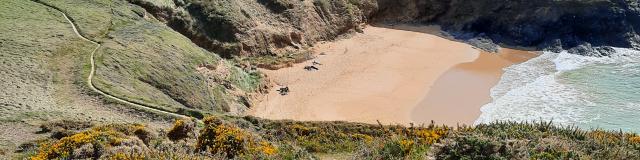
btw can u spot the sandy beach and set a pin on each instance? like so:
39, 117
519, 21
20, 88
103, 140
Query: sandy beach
383, 74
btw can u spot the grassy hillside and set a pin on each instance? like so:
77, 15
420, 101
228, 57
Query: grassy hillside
144, 61
45, 68
252, 138
43, 76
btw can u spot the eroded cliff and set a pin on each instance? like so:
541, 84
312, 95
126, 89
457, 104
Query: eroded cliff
541, 24
269, 31
280, 30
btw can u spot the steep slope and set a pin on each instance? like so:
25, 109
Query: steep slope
146, 62
269, 31
541, 24
45, 66
43, 76
276, 31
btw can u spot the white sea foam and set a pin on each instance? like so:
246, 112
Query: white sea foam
566, 61
542, 99
524, 73
532, 91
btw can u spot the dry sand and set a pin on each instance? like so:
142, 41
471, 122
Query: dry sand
382, 75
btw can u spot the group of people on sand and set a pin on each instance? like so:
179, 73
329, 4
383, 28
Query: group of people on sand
284, 90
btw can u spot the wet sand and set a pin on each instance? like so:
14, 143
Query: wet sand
382, 75
457, 96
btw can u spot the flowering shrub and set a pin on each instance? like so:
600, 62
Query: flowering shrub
364, 137
223, 139
267, 149
265, 139
430, 135
181, 130
64, 147
635, 140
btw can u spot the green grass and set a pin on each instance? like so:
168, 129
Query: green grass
34, 36
162, 3
88, 15
45, 65
277, 62
144, 61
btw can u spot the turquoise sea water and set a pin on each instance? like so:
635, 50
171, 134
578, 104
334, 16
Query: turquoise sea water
568, 89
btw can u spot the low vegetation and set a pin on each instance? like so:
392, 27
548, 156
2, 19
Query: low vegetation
253, 138
43, 73
45, 66
144, 61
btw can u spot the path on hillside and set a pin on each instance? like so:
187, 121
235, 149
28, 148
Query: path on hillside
93, 70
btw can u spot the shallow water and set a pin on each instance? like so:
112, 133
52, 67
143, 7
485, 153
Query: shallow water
588, 92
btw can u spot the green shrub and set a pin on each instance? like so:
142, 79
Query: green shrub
470, 147
279, 6
396, 148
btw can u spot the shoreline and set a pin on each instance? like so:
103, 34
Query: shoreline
458, 95
381, 75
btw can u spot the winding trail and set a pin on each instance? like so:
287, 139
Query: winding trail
93, 70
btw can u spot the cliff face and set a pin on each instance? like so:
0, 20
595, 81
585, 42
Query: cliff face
280, 28
273, 28
273, 32
542, 24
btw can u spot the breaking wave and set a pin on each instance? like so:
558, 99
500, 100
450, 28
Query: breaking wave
570, 89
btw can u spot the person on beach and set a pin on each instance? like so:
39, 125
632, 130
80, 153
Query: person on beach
310, 68
316, 63
284, 90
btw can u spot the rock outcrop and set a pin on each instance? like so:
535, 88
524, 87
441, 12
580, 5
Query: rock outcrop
274, 28
541, 24
281, 28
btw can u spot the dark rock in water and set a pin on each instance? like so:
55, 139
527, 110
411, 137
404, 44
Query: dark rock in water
588, 50
483, 43
553, 46
605, 51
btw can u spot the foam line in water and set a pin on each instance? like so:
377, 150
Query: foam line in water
541, 89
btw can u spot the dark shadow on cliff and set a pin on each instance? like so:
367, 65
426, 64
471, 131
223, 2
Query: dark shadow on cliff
541, 25
479, 41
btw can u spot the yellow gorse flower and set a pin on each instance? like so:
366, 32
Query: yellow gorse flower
63, 147
635, 140
430, 136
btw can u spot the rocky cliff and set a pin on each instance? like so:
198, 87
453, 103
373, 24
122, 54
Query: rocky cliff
275, 30
278, 29
541, 24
